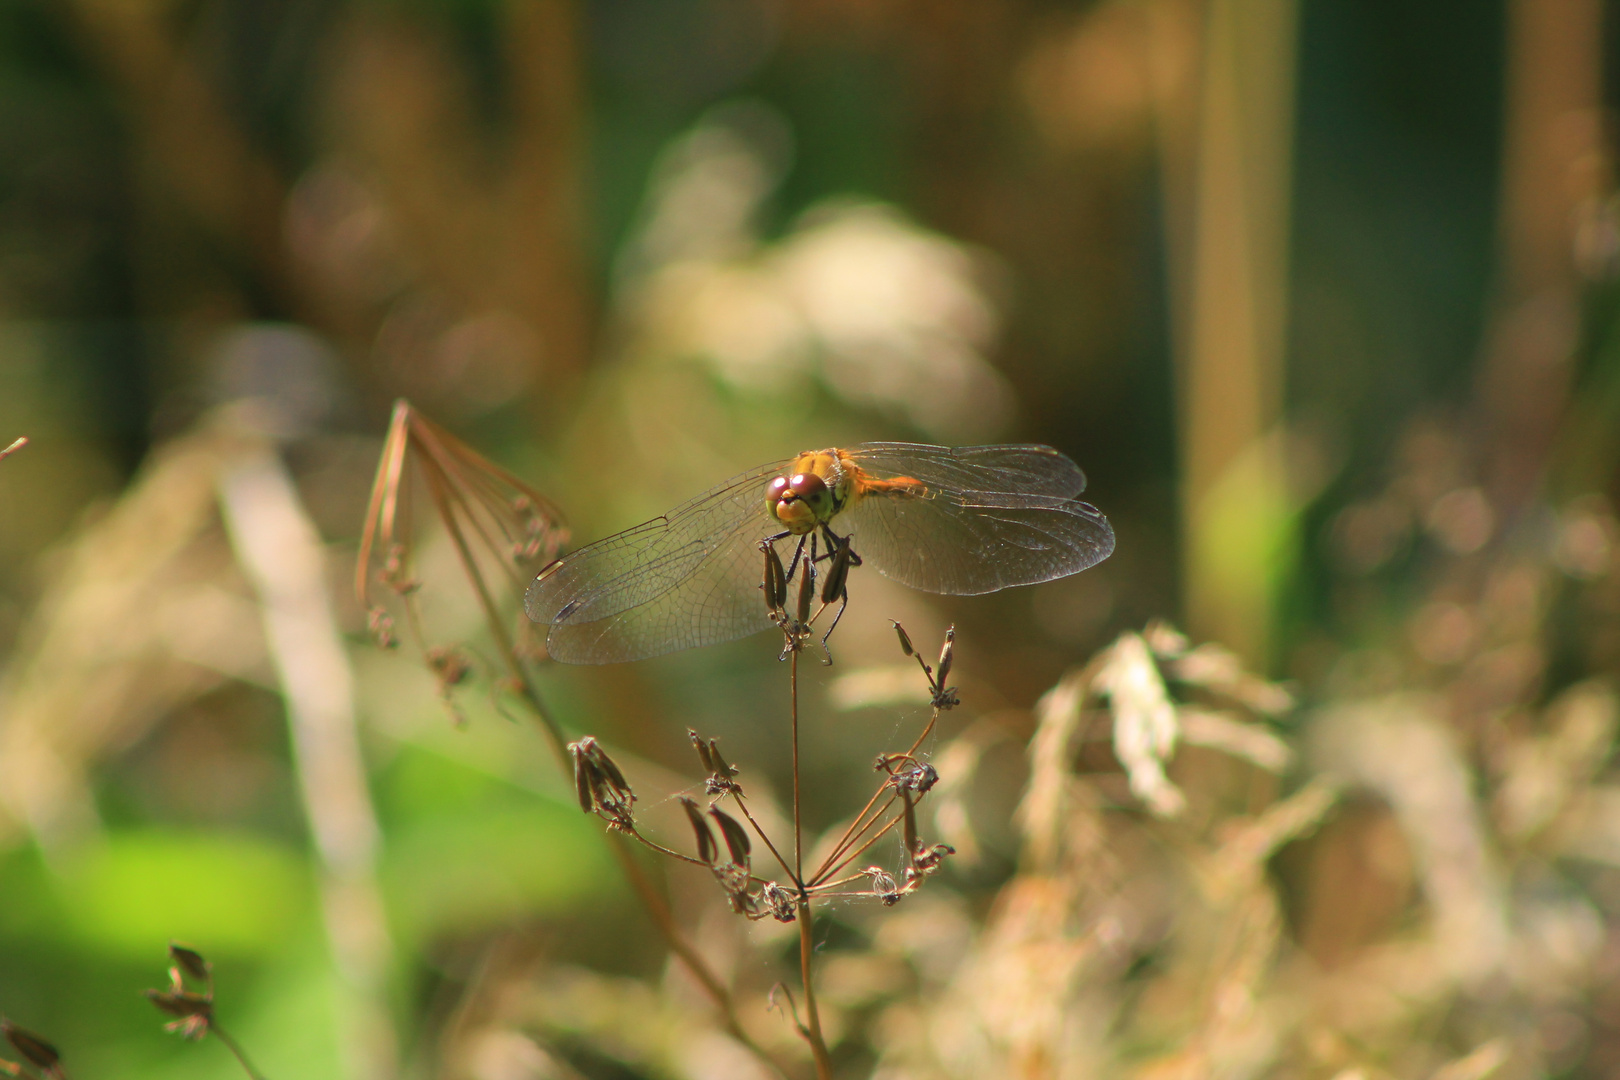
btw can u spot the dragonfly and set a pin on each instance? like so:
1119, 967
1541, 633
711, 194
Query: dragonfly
957, 522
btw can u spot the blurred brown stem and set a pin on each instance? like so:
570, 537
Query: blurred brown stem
236, 1052
1554, 166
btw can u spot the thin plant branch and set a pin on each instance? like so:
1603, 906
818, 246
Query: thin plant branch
812, 1028
476, 500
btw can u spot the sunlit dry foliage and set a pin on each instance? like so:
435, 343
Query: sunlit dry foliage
496, 522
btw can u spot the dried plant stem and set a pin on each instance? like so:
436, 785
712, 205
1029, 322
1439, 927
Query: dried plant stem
812, 1032
236, 1051
657, 910
664, 920
841, 855
844, 861
742, 805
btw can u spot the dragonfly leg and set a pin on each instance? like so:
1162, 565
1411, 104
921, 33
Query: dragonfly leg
837, 585
844, 597
798, 550
835, 543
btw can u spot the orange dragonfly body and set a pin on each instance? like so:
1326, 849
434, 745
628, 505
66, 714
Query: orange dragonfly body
958, 522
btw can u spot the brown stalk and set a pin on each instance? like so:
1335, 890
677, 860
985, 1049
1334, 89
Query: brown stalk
763, 835
812, 1030
836, 860
450, 469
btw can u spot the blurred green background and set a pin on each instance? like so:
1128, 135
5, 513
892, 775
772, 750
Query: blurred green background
1320, 293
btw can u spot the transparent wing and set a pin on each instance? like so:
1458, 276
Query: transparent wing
686, 579
979, 519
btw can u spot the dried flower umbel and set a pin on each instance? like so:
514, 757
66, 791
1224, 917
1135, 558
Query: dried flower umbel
725, 843
189, 999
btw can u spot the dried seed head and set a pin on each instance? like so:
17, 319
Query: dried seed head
394, 573
583, 787
807, 591
737, 841
193, 1012
837, 572
449, 665
947, 654
707, 851
702, 749
779, 902
722, 767
607, 765
775, 582
598, 780
883, 885
34, 1050
720, 780
919, 777
381, 626
191, 962
734, 880
927, 862
908, 823
905, 638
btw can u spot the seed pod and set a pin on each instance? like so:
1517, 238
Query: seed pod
190, 961
883, 885
721, 768
700, 828
947, 654
837, 573
35, 1050
702, 749
582, 778
737, 841
780, 902
775, 583
905, 638
605, 763
921, 778
183, 1003
909, 824
807, 590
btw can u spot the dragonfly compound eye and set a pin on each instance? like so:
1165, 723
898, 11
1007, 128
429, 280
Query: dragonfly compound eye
808, 486
801, 503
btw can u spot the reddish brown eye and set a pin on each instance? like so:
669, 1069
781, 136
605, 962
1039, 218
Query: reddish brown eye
778, 487
807, 485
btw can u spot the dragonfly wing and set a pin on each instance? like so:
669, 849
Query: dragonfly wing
980, 519
686, 579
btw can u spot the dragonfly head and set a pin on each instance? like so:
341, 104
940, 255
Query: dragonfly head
801, 501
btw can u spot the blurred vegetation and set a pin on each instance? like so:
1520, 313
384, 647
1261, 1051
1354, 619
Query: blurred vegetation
1324, 295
